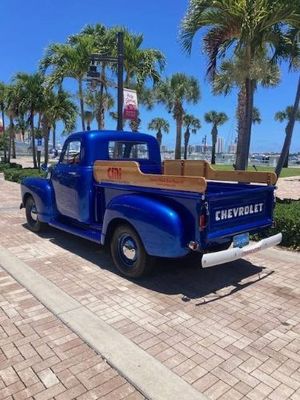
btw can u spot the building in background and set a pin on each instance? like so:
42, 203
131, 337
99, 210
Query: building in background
232, 148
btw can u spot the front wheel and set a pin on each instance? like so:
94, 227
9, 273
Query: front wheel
128, 253
31, 216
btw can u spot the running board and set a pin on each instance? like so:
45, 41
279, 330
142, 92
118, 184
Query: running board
91, 234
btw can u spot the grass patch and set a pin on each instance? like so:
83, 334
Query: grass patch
293, 171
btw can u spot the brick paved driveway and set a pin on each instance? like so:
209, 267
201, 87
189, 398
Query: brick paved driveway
231, 331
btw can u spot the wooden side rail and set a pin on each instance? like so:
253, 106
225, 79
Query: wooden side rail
129, 173
203, 168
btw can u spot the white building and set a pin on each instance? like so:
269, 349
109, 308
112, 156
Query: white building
220, 145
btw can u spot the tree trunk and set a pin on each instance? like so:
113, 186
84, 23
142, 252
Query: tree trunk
214, 135
4, 135
286, 161
54, 136
13, 143
289, 132
81, 103
244, 138
46, 145
101, 105
186, 142
178, 138
240, 115
33, 139
159, 137
11, 127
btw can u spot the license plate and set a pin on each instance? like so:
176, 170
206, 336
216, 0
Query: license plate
241, 240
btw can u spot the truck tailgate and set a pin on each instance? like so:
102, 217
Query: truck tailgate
236, 211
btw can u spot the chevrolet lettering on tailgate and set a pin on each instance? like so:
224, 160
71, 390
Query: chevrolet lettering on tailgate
238, 211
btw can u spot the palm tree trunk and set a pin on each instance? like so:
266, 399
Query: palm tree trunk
46, 145
244, 138
11, 124
4, 135
54, 136
214, 135
33, 139
289, 132
101, 106
13, 144
186, 142
81, 103
178, 137
159, 137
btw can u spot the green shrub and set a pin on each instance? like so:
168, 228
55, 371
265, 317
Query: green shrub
287, 221
17, 174
4, 166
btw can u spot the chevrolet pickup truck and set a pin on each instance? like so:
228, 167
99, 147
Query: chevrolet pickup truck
111, 187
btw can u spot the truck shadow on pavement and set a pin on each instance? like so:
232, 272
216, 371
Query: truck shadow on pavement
171, 277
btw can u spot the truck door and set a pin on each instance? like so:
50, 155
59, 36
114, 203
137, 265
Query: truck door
66, 179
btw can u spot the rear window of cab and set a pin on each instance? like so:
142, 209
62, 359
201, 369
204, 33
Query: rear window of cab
122, 150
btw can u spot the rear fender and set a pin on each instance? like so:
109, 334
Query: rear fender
42, 192
159, 226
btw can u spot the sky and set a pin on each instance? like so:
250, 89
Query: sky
28, 27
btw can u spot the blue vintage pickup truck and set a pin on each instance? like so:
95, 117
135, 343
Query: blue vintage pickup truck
111, 187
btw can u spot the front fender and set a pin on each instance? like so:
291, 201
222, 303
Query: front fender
159, 226
42, 191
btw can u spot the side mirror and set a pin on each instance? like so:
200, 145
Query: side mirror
44, 168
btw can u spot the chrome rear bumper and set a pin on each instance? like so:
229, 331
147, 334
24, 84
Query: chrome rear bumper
222, 257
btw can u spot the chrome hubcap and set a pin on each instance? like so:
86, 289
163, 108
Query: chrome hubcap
33, 213
127, 250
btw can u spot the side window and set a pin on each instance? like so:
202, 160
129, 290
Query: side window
72, 155
128, 150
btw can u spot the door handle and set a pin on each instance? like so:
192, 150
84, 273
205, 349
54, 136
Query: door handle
73, 173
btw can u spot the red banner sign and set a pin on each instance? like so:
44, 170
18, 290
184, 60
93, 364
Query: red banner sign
130, 104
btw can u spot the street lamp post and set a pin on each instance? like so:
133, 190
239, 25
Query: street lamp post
94, 75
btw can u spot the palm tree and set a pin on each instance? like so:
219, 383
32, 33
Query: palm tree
99, 103
232, 74
245, 28
159, 125
290, 52
2, 109
30, 94
12, 108
56, 107
174, 92
69, 61
192, 124
216, 119
286, 115
88, 117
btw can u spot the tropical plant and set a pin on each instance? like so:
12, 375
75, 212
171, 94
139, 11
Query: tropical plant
286, 115
290, 52
69, 61
245, 28
56, 107
232, 74
192, 124
159, 125
29, 91
13, 106
134, 124
4, 143
216, 119
99, 102
174, 92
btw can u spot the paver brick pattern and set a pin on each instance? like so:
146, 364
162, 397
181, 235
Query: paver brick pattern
41, 358
231, 331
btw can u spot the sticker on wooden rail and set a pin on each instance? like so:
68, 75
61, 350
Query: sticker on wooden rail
129, 173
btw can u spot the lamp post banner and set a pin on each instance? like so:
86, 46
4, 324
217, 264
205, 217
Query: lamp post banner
130, 104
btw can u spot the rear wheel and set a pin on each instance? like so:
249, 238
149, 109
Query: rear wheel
128, 253
31, 215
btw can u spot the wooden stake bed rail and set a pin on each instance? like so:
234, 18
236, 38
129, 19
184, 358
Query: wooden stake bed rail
203, 168
129, 173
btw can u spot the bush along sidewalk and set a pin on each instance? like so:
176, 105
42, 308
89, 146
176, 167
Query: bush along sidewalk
4, 166
17, 174
287, 221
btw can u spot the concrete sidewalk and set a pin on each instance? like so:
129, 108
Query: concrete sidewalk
230, 332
